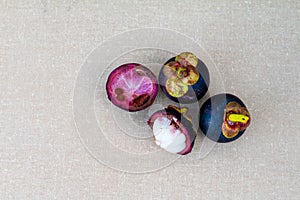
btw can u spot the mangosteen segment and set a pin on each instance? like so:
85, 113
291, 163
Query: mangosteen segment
172, 130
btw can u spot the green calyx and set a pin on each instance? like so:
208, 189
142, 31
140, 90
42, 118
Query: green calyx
181, 73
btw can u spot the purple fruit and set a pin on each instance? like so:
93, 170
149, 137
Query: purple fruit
173, 130
184, 78
131, 87
224, 118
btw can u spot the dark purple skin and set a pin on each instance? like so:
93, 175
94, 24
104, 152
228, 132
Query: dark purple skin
132, 87
212, 117
185, 125
195, 92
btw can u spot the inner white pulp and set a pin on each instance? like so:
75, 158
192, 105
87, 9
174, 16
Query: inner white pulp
167, 137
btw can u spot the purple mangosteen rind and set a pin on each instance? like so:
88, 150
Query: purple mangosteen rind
186, 126
195, 92
213, 115
119, 96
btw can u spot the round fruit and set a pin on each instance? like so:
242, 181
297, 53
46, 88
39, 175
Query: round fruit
184, 78
224, 118
173, 130
131, 87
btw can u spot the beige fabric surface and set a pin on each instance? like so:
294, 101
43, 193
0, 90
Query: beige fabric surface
255, 45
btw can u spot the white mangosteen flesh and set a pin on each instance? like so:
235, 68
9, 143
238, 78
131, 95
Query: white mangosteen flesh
167, 136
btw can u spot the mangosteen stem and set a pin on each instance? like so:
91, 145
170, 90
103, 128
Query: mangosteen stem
181, 72
238, 118
183, 110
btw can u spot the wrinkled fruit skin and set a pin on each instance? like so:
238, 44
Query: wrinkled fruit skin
195, 92
180, 123
214, 116
131, 87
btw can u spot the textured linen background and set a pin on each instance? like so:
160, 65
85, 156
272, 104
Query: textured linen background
255, 45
